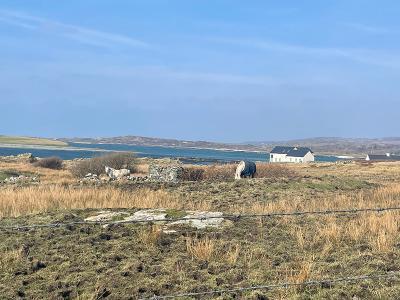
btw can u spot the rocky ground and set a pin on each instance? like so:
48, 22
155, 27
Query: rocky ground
120, 260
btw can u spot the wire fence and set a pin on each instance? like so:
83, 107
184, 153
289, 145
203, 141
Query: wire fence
321, 282
236, 217
233, 217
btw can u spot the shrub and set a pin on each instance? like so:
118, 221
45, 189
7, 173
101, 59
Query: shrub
227, 172
53, 162
220, 172
201, 249
96, 165
268, 170
193, 174
209, 173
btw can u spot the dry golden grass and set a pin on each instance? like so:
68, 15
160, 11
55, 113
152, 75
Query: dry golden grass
209, 173
380, 172
381, 230
304, 272
201, 249
299, 234
36, 199
232, 254
381, 197
150, 236
267, 170
46, 176
9, 257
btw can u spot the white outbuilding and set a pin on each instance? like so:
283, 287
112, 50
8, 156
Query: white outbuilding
284, 154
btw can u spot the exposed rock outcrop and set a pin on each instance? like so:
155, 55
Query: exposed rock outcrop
21, 179
196, 219
24, 157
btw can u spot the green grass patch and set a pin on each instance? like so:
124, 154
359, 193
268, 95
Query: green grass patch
20, 140
175, 214
7, 174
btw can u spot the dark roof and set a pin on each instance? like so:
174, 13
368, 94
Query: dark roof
299, 152
291, 151
281, 150
383, 157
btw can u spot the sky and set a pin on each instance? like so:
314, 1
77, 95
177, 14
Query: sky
218, 70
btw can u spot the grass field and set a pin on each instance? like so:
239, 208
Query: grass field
17, 140
139, 261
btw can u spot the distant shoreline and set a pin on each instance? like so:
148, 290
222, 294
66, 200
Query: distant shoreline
61, 148
177, 147
74, 148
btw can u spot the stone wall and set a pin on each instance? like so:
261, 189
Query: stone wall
165, 173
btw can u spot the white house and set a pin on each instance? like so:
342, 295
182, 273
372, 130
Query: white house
291, 155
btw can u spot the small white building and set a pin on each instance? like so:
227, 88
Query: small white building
283, 154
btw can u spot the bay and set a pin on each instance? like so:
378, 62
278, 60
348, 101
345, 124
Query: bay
191, 155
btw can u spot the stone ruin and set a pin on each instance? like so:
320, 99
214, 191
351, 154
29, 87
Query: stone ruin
157, 173
165, 173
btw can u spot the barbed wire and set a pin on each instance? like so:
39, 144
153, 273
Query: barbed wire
281, 285
233, 217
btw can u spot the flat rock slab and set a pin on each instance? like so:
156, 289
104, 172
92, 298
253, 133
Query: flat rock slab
201, 219
104, 216
148, 215
196, 219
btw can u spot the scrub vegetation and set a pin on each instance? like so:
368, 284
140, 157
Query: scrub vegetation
131, 261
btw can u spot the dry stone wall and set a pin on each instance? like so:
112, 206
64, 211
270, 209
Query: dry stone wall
165, 173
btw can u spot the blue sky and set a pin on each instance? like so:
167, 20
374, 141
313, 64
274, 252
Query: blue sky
200, 70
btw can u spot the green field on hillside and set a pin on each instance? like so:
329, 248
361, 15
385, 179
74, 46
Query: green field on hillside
20, 140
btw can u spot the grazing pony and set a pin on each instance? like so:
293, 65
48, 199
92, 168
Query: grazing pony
245, 169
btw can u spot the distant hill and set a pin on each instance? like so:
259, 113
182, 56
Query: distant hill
148, 141
22, 140
341, 146
320, 145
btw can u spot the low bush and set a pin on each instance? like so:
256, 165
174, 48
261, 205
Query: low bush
53, 162
209, 173
227, 172
193, 174
268, 170
96, 165
220, 172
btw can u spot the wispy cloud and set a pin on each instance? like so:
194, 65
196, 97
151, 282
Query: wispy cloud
78, 33
15, 22
159, 72
370, 29
359, 55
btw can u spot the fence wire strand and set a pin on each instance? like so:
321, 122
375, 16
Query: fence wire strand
233, 217
285, 285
